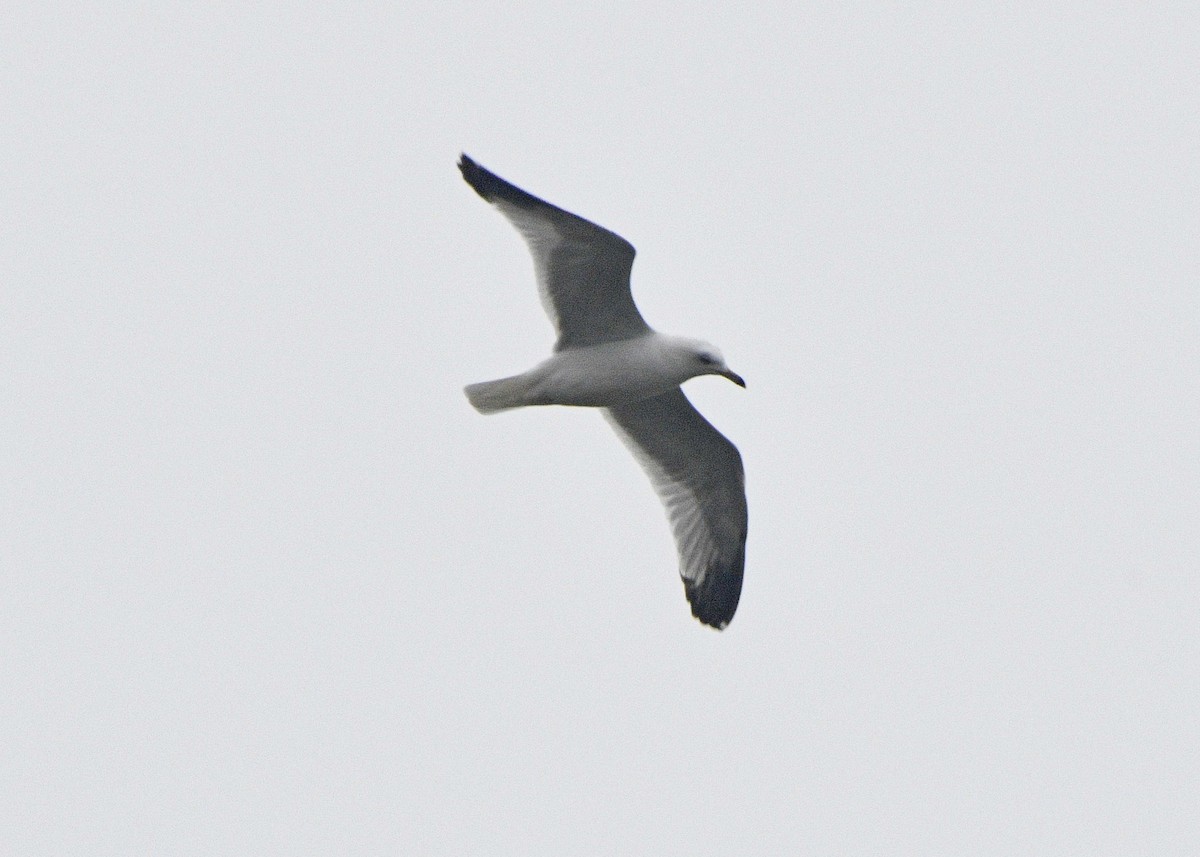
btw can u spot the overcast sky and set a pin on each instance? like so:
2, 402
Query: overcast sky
271, 586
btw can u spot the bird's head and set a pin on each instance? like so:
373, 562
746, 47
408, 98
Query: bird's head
695, 357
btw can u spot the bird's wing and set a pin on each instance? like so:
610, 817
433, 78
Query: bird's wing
582, 269
698, 475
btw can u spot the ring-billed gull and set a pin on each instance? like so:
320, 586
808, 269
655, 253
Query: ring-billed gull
607, 357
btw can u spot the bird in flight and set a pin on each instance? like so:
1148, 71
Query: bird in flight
607, 357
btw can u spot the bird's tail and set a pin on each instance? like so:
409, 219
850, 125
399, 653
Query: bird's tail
488, 397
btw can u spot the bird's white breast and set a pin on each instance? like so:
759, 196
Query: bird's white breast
605, 375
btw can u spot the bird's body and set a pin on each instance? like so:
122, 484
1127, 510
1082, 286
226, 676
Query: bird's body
599, 376
607, 357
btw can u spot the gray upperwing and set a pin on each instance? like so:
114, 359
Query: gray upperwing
582, 269
698, 475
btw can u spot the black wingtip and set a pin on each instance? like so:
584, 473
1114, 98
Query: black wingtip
495, 189
483, 182
716, 600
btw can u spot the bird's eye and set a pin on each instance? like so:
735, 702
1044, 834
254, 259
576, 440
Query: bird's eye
707, 359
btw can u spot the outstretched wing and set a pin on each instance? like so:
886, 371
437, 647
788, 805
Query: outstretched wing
698, 475
582, 269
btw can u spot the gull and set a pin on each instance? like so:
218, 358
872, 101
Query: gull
607, 357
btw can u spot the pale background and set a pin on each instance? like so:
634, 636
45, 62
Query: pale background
270, 586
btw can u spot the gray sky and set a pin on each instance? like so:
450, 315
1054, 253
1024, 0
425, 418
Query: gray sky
270, 586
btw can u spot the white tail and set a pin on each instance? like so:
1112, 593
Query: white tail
488, 397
